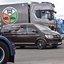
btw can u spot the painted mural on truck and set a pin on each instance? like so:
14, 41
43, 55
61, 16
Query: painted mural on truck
9, 16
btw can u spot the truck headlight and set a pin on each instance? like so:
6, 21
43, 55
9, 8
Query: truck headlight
49, 36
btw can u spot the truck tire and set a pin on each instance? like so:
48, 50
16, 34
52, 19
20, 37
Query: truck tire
4, 53
41, 44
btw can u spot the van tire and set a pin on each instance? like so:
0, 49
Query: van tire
4, 53
41, 44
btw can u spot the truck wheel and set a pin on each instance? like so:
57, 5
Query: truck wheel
41, 44
4, 53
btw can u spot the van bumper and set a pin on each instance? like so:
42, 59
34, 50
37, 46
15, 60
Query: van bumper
54, 41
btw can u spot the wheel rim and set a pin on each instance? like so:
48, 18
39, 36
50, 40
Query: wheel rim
40, 44
2, 54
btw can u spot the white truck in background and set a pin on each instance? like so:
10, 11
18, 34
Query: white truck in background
42, 13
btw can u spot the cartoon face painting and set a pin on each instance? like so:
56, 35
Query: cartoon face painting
9, 15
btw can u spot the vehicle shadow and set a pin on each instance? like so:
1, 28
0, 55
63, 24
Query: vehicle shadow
35, 48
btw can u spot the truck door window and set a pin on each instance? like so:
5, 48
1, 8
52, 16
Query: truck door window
38, 13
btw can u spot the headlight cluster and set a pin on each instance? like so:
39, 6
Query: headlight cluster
49, 36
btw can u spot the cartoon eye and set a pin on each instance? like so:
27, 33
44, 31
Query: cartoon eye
5, 18
12, 18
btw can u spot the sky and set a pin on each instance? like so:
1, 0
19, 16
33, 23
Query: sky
58, 5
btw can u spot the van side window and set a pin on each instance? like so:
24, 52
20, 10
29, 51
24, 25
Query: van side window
13, 28
22, 29
30, 29
7, 29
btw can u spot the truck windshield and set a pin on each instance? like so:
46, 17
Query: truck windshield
45, 14
41, 27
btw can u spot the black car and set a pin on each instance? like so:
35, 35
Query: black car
26, 34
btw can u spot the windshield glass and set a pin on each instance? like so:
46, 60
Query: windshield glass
45, 14
52, 15
41, 27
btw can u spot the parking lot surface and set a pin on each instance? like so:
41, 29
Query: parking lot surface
32, 55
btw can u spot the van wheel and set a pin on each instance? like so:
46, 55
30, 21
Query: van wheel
4, 53
41, 44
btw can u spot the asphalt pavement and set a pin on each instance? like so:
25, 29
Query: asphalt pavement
32, 55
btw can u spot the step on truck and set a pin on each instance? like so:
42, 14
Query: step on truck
7, 50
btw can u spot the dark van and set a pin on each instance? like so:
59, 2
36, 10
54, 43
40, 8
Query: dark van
26, 34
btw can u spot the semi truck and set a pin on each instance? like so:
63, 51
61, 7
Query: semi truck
35, 12
7, 50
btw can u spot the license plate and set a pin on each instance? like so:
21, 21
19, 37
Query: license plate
59, 43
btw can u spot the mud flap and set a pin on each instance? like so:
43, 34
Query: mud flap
11, 59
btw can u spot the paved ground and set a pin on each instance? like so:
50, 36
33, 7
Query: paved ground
36, 56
